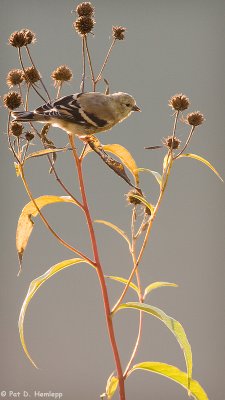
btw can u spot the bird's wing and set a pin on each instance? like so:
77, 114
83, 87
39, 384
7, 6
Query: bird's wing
69, 108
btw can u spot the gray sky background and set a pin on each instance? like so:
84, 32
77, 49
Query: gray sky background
171, 46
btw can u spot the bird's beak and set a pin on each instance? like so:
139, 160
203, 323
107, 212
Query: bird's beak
136, 108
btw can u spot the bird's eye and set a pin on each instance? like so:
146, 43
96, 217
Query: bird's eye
128, 105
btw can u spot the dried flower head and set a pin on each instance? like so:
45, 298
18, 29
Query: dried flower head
85, 9
31, 75
172, 142
61, 74
131, 199
16, 129
12, 100
17, 39
148, 212
29, 136
118, 32
179, 102
14, 77
29, 36
84, 25
195, 118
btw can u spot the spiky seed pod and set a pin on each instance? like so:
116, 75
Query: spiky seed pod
179, 102
16, 129
195, 118
61, 74
131, 199
12, 100
172, 143
14, 77
84, 25
31, 75
17, 39
29, 136
118, 32
29, 36
85, 9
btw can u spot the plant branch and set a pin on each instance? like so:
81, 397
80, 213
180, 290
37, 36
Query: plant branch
105, 61
90, 62
84, 65
187, 142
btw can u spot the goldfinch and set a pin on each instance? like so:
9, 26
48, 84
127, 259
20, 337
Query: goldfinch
82, 113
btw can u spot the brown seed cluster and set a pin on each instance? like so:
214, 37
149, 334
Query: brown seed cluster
14, 77
84, 25
61, 74
16, 129
118, 32
179, 102
31, 75
131, 199
22, 38
85, 9
195, 118
172, 142
29, 136
12, 100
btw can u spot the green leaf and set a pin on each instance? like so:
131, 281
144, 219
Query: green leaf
175, 374
175, 327
25, 224
111, 386
157, 176
123, 280
145, 202
115, 228
157, 285
34, 286
124, 155
204, 161
45, 152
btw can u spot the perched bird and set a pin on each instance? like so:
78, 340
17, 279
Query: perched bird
82, 113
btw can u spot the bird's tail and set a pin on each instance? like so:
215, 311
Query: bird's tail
26, 116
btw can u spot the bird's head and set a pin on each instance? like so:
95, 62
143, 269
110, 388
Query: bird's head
125, 104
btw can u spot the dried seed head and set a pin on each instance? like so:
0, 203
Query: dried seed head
29, 36
179, 102
85, 9
148, 212
84, 25
61, 74
12, 100
31, 75
16, 129
172, 143
131, 199
14, 77
195, 118
118, 32
17, 39
29, 136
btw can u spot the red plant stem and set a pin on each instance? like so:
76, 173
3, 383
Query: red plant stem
99, 271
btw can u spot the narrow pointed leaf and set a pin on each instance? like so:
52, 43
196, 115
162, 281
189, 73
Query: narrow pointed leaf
115, 228
175, 327
25, 224
45, 152
145, 202
111, 386
157, 176
204, 161
123, 280
17, 168
175, 374
34, 286
157, 285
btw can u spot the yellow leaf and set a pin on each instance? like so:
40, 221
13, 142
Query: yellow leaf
157, 285
45, 152
124, 155
175, 374
111, 386
157, 176
123, 280
145, 202
204, 161
174, 326
34, 286
115, 228
25, 224
17, 168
